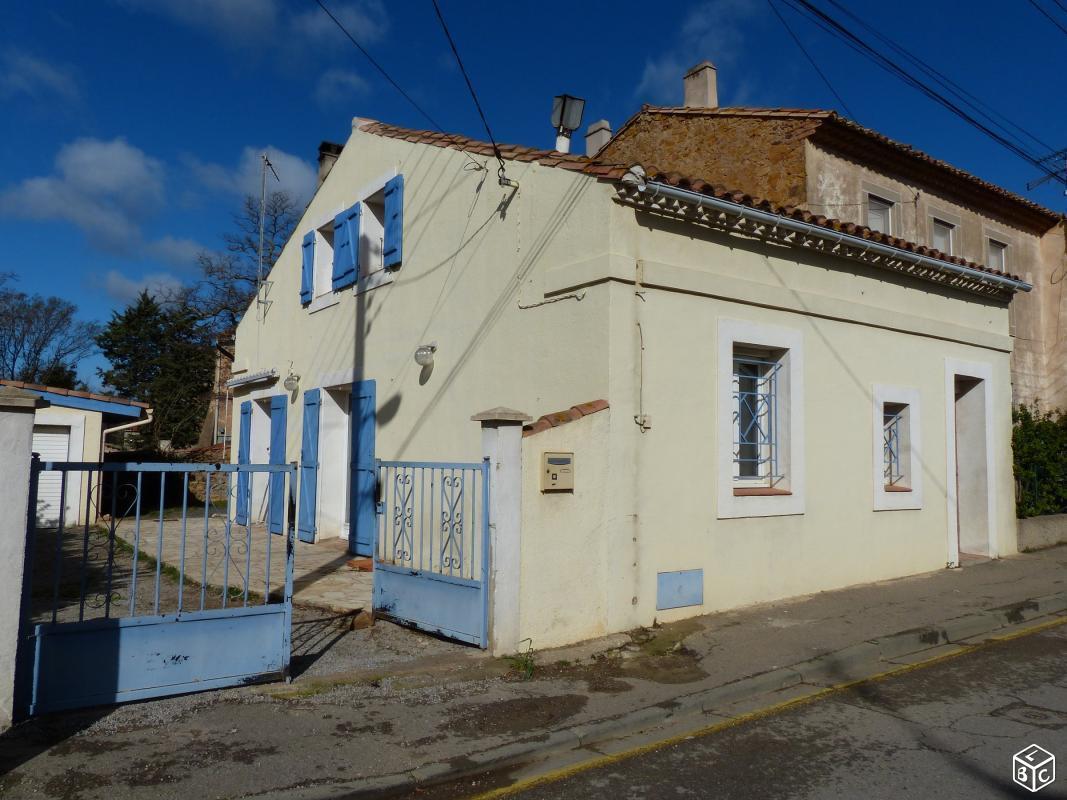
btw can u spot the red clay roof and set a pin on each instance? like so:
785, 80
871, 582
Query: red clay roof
704, 187
107, 398
843, 124
557, 418
511, 152
614, 172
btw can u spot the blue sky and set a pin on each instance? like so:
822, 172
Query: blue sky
131, 127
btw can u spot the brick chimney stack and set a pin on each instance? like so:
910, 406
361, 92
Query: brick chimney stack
701, 90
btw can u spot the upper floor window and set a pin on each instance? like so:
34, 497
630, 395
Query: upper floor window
998, 255
879, 213
943, 235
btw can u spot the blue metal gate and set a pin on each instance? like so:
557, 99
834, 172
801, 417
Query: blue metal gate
166, 594
431, 558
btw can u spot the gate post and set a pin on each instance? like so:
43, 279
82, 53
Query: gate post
17, 408
502, 445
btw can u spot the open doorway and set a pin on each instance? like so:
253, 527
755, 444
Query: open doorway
970, 456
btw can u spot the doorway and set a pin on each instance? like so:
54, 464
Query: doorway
971, 481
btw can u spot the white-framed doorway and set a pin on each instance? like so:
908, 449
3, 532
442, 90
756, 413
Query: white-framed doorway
335, 438
970, 477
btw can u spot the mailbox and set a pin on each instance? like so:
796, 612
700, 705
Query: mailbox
557, 472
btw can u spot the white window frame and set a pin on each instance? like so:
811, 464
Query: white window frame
1005, 249
897, 500
934, 222
366, 282
890, 212
734, 333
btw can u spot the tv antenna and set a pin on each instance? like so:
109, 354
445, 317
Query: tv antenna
264, 166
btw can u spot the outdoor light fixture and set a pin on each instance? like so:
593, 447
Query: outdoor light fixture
291, 381
566, 119
424, 354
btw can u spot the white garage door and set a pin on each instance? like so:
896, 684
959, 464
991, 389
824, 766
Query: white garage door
52, 443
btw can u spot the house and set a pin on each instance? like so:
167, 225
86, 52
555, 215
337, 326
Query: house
73, 427
828, 165
736, 400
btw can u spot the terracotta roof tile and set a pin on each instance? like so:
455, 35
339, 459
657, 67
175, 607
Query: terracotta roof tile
823, 222
833, 123
557, 418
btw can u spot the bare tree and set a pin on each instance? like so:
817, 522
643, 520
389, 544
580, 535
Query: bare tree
40, 339
228, 283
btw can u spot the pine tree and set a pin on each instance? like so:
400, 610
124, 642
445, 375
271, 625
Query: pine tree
163, 356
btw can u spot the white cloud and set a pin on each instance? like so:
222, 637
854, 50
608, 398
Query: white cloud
337, 86
234, 21
273, 23
123, 289
105, 188
295, 175
181, 253
366, 20
711, 31
23, 74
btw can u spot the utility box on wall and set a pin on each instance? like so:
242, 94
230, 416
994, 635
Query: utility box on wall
557, 472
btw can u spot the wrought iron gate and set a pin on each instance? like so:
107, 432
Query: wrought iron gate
166, 594
431, 558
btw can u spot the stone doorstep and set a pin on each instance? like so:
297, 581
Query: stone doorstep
862, 660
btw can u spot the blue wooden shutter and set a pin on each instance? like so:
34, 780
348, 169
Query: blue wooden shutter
363, 477
244, 440
276, 503
307, 273
393, 253
346, 247
309, 466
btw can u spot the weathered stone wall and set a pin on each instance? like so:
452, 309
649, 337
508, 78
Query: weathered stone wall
760, 156
1037, 533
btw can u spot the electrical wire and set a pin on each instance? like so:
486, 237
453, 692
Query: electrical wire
394, 84
470, 88
864, 48
976, 103
807, 55
1049, 17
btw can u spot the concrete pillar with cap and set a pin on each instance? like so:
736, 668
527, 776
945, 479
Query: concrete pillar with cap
17, 408
502, 445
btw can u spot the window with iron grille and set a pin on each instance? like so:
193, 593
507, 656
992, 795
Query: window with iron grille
894, 433
756, 401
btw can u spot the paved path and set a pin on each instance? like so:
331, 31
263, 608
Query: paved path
321, 577
947, 731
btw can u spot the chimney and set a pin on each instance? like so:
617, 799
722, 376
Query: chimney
701, 90
328, 153
596, 136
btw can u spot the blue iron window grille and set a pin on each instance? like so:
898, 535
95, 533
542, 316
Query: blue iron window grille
893, 437
756, 397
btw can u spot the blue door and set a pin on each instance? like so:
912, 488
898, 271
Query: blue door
362, 520
276, 502
244, 440
309, 467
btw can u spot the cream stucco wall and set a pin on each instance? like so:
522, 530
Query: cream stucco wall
859, 328
560, 295
473, 253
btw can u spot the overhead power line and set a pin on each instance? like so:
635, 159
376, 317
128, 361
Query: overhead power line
807, 55
1049, 17
980, 107
861, 46
395, 85
474, 95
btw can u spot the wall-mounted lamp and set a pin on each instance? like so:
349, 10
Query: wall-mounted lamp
424, 354
291, 381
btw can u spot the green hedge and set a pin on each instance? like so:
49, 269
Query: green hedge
1039, 444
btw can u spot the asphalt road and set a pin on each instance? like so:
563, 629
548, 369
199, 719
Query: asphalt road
947, 730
